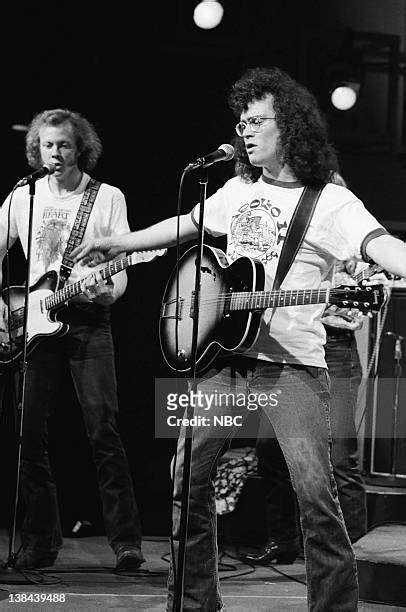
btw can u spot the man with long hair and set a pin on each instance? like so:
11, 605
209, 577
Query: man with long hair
282, 147
67, 143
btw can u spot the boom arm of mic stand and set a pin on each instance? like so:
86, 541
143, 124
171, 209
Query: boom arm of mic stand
184, 513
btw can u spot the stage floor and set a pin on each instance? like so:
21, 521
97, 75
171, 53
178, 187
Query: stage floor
84, 574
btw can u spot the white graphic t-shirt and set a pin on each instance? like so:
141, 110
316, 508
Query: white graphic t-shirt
255, 217
53, 218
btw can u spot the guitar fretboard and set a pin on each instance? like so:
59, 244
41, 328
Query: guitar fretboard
70, 291
366, 273
253, 300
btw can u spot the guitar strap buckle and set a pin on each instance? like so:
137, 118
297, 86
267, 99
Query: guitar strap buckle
64, 273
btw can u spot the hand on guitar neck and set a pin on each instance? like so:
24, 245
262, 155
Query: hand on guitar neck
96, 289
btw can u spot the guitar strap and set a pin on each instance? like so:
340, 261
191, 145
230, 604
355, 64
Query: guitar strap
297, 229
78, 229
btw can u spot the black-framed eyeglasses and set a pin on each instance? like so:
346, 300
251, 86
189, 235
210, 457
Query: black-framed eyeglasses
255, 124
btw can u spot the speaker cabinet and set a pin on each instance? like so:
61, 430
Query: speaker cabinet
385, 428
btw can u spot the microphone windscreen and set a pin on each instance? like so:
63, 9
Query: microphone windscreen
228, 150
50, 167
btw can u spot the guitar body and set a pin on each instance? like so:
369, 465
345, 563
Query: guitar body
217, 330
40, 324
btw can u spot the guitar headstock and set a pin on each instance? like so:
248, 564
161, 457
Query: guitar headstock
363, 298
145, 256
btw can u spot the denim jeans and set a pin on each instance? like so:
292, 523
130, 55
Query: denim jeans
345, 374
281, 511
301, 422
86, 355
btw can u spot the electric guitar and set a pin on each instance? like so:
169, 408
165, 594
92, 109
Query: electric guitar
232, 299
45, 301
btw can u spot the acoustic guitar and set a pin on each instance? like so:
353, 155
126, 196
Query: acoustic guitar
231, 302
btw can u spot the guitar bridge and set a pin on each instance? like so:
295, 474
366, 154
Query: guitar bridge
172, 309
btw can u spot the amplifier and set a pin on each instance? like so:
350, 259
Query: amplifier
385, 424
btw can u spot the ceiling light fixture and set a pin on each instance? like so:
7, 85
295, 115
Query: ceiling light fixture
344, 94
208, 14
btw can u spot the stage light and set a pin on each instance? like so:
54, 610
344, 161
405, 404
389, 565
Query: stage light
208, 14
344, 95
19, 127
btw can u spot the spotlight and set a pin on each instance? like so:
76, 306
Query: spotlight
208, 14
344, 95
19, 127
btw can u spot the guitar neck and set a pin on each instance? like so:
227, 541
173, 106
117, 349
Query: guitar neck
72, 290
260, 300
367, 273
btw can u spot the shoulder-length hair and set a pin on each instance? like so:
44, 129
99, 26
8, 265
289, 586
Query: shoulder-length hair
87, 140
303, 143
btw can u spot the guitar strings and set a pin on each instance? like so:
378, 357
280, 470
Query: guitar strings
275, 294
294, 294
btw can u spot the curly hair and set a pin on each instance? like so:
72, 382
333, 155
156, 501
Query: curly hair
303, 142
87, 140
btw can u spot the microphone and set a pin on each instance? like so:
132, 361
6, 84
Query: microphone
398, 349
398, 344
225, 152
37, 174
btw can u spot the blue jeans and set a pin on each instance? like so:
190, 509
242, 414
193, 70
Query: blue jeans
345, 373
301, 422
281, 515
86, 356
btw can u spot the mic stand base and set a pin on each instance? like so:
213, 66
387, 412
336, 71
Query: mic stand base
9, 574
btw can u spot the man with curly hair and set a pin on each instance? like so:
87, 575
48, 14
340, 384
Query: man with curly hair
282, 147
68, 144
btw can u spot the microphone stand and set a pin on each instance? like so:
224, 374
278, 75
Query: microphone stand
398, 374
184, 513
10, 574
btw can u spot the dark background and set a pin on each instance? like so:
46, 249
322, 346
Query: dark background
155, 87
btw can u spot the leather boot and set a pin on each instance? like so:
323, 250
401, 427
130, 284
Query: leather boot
274, 552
